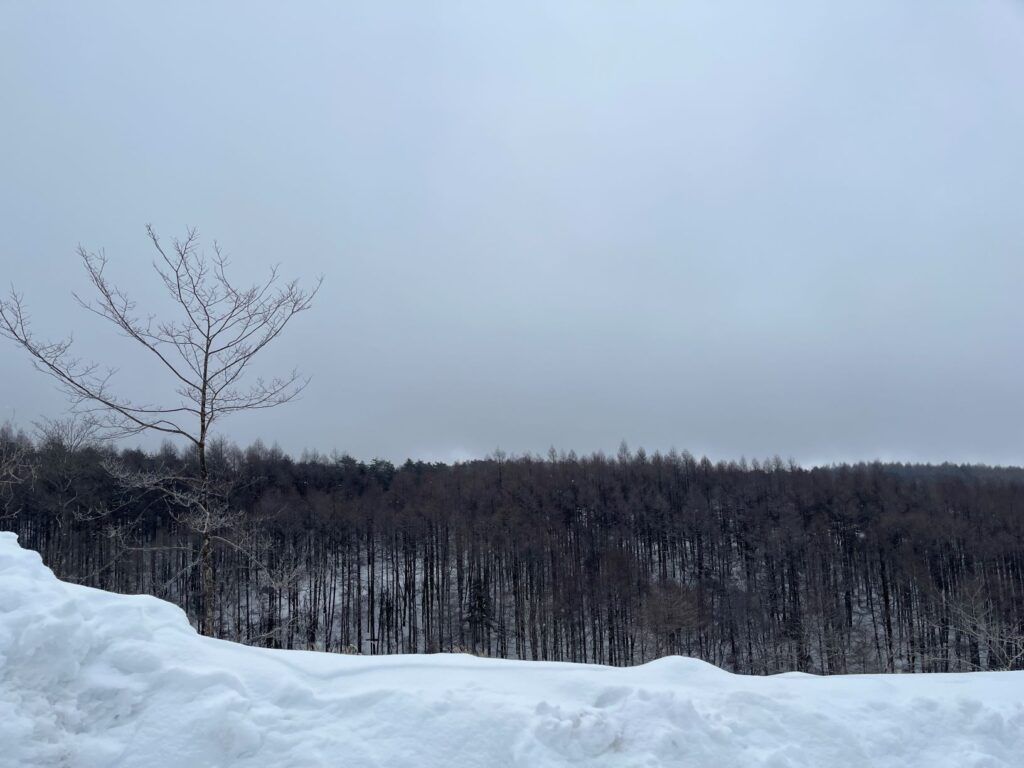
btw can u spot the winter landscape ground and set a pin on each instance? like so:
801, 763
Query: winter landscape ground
90, 678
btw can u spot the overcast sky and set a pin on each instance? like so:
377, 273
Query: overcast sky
741, 229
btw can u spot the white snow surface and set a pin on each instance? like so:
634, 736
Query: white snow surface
90, 678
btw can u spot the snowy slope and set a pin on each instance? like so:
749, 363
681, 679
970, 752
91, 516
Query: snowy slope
89, 678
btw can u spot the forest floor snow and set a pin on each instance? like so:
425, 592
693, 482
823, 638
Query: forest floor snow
90, 678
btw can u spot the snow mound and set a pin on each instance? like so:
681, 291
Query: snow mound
89, 678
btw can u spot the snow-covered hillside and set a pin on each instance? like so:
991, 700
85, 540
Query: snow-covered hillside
89, 678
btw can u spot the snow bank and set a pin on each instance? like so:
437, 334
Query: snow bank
89, 678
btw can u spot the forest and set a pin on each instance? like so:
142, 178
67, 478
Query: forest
757, 567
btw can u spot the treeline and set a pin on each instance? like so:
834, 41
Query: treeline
758, 568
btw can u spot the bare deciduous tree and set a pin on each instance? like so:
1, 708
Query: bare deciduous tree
206, 352
998, 644
15, 468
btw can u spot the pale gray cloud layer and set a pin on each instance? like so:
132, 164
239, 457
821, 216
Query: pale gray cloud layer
738, 228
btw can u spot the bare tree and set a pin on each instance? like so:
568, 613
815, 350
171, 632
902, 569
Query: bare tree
206, 352
57, 476
997, 642
15, 468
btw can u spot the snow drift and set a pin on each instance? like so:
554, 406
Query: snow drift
89, 678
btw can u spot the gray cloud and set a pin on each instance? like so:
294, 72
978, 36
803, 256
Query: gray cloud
727, 227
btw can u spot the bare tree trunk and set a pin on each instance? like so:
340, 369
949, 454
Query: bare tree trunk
206, 558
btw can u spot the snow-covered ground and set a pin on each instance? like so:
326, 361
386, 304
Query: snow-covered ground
89, 678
